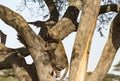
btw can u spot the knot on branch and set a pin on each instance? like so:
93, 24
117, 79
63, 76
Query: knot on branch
54, 36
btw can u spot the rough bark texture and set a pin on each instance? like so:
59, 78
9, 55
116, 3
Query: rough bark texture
110, 48
47, 49
83, 39
60, 30
108, 53
30, 48
18, 68
13, 59
108, 8
33, 43
55, 50
70, 18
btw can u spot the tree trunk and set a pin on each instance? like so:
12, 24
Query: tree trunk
81, 47
36, 45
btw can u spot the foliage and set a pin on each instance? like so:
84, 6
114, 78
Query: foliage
38, 7
7, 75
117, 67
111, 77
7, 79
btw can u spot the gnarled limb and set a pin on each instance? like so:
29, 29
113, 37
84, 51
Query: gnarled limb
55, 50
65, 31
103, 9
33, 43
69, 19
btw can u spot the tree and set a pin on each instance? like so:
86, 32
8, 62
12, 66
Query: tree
47, 49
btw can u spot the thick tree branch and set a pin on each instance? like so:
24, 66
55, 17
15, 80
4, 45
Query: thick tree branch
109, 8
33, 43
109, 51
18, 63
65, 31
55, 50
13, 59
72, 14
18, 23
21, 50
70, 19
111, 46
103, 9
54, 14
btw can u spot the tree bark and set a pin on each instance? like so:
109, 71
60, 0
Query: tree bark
58, 55
109, 52
108, 8
13, 59
81, 47
33, 43
60, 30
19, 69
36, 45
64, 30
70, 18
